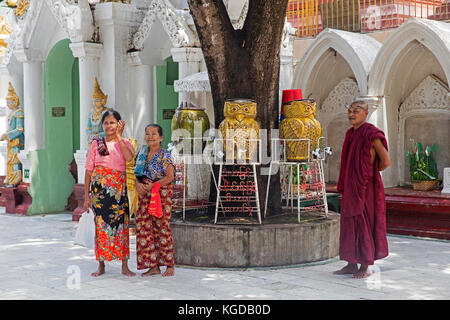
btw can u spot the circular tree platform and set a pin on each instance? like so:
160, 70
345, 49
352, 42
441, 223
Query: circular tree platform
278, 241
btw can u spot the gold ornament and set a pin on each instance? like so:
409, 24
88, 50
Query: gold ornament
22, 6
98, 93
5, 30
300, 123
12, 95
239, 126
94, 127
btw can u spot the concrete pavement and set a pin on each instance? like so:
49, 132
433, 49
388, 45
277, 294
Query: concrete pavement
38, 260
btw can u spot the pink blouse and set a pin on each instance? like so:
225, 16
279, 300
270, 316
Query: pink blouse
115, 160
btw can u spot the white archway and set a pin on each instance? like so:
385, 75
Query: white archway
358, 50
433, 35
429, 106
418, 49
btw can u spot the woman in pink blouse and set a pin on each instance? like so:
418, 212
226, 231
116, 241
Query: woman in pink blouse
106, 193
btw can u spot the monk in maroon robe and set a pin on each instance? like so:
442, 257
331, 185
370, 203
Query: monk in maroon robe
363, 210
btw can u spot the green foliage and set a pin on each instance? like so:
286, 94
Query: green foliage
303, 169
422, 163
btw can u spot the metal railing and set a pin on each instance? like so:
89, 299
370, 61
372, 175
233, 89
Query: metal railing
310, 17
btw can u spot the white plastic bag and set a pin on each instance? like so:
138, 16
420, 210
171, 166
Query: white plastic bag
85, 234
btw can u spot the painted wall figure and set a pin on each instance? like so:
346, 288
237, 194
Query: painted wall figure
94, 127
15, 138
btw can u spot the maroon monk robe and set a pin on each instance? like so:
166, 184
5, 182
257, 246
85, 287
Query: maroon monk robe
363, 209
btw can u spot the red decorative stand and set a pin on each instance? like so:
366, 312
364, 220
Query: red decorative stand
76, 199
2, 198
16, 200
76, 202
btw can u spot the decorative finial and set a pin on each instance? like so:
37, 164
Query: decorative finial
12, 95
22, 6
98, 93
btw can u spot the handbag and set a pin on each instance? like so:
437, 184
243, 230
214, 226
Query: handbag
85, 234
155, 208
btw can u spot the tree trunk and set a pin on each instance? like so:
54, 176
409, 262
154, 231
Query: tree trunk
244, 64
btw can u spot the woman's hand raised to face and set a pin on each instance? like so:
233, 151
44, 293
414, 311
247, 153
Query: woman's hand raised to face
120, 127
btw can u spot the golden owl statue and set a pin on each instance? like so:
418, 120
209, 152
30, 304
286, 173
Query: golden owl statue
239, 126
299, 123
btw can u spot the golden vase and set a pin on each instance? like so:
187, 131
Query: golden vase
194, 121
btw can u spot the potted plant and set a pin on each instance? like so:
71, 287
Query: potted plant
422, 167
295, 181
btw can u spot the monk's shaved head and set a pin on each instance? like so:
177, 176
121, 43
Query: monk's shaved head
357, 113
359, 104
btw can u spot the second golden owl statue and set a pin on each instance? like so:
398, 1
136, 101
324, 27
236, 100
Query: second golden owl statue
240, 126
300, 123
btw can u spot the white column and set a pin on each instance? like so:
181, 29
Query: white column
376, 112
33, 98
88, 55
33, 105
116, 21
286, 76
446, 183
141, 101
377, 117
189, 62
